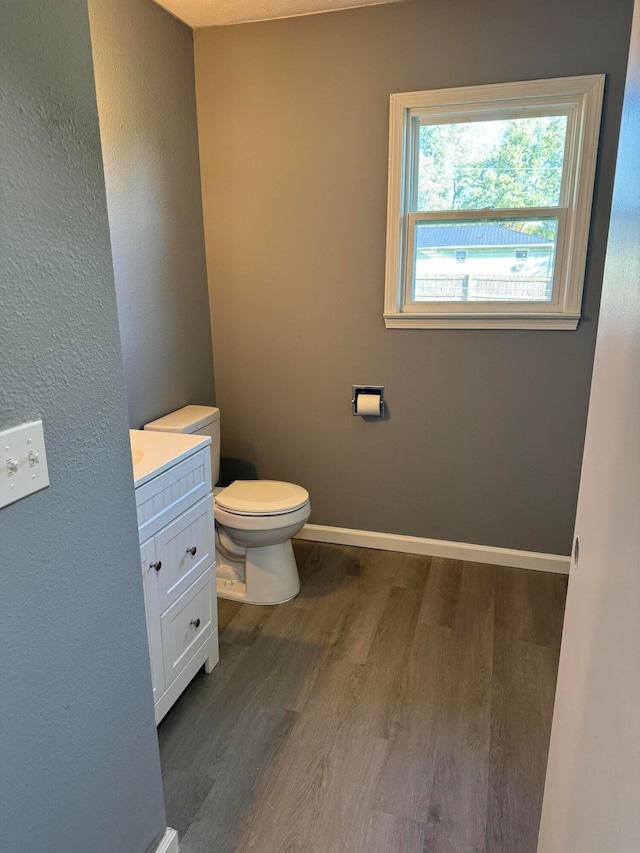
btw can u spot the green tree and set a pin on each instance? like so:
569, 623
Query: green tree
513, 163
449, 161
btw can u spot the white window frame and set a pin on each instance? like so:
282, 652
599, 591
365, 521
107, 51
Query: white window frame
580, 99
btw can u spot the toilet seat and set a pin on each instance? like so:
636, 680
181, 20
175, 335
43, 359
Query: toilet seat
259, 498
242, 521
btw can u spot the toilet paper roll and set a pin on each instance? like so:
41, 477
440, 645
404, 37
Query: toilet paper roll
368, 404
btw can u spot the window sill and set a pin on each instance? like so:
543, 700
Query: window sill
482, 321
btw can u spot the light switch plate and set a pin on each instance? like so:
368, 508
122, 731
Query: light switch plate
23, 462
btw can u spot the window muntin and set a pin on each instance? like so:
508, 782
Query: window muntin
524, 150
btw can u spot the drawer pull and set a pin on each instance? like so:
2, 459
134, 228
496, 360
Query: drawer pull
157, 566
192, 551
195, 622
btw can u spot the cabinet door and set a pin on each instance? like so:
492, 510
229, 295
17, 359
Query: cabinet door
152, 611
186, 548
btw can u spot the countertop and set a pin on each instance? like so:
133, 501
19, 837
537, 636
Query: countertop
155, 452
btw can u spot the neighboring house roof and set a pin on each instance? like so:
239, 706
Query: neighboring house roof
448, 236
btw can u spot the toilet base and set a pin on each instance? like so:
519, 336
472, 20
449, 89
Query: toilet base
270, 575
238, 592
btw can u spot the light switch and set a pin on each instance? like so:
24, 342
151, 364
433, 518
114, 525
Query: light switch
23, 462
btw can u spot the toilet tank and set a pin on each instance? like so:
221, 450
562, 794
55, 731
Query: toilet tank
195, 420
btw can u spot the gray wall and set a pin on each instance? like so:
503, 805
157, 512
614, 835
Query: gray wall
143, 62
78, 746
486, 428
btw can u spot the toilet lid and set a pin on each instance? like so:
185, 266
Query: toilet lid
261, 497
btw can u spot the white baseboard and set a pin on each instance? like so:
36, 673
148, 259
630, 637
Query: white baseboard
169, 843
436, 548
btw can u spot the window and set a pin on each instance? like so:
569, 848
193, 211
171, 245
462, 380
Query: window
489, 204
521, 258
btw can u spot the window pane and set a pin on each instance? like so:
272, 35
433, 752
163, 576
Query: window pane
506, 163
504, 260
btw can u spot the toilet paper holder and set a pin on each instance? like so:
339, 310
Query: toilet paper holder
369, 390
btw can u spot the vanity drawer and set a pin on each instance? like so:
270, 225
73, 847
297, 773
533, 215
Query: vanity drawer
185, 548
171, 493
186, 625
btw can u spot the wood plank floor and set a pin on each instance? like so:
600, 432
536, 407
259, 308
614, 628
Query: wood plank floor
400, 704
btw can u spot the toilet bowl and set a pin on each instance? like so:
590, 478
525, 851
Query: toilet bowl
254, 521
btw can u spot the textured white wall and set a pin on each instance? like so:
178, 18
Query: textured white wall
592, 793
213, 13
79, 758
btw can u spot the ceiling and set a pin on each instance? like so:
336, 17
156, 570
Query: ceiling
214, 13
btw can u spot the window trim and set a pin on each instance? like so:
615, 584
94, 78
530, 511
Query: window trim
580, 98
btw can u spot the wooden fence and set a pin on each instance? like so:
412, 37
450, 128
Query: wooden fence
481, 288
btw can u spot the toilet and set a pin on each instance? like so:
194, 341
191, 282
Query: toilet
255, 521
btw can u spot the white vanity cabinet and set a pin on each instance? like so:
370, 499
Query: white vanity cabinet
177, 546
